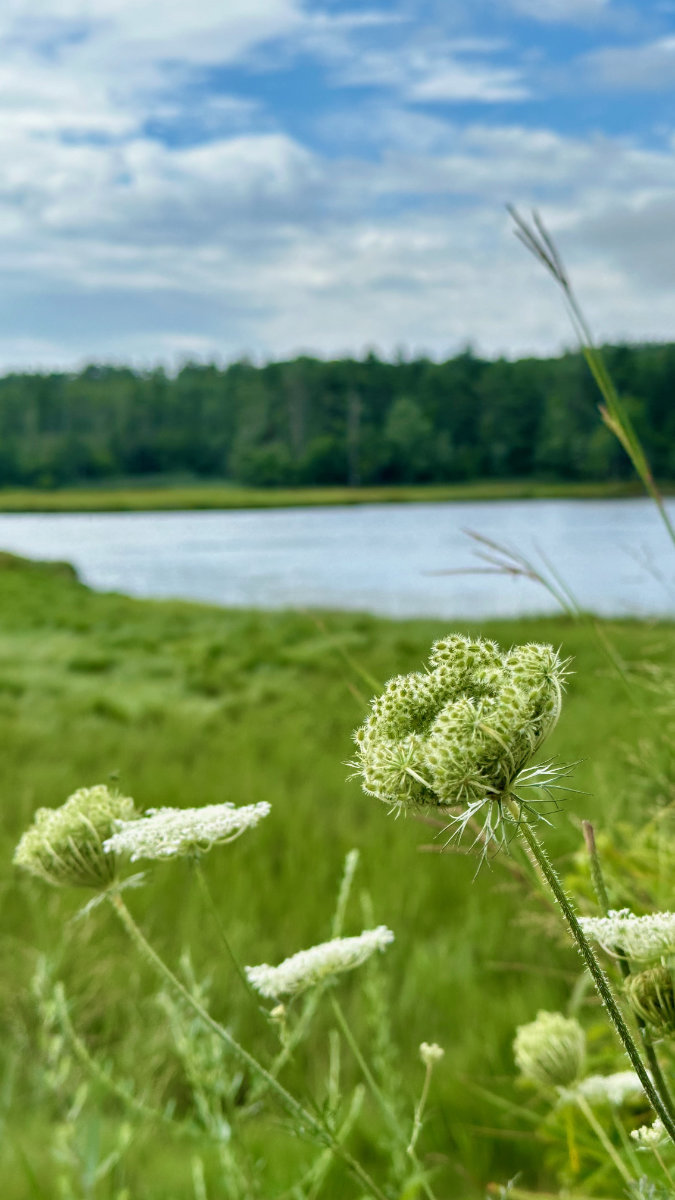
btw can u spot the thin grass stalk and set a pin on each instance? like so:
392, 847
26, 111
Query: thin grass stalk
304, 1119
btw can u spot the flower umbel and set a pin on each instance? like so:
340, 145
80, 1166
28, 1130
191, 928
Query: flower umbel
551, 1050
65, 845
650, 1136
310, 967
642, 938
463, 731
174, 832
622, 1087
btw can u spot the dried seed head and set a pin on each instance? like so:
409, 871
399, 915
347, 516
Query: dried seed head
551, 1050
65, 845
465, 728
650, 994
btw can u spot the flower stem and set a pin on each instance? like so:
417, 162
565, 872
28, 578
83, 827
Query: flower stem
600, 890
304, 1119
378, 1094
598, 975
604, 1140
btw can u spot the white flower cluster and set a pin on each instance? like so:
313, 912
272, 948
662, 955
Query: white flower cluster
650, 1136
431, 1053
641, 938
172, 832
310, 967
623, 1087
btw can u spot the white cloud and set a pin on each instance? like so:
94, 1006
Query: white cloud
646, 67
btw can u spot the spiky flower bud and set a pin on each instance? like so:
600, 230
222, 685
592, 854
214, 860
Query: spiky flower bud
551, 1050
65, 845
650, 994
462, 731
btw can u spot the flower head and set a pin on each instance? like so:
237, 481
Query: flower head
463, 731
650, 1136
65, 845
622, 1087
551, 1050
651, 995
642, 938
173, 832
431, 1053
310, 967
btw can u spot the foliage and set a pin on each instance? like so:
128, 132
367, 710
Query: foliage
348, 422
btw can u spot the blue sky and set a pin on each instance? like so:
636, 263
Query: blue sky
215, 178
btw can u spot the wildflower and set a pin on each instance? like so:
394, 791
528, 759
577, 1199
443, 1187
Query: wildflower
464, 730
622, 1087
431, 1053
65, 845
550, 1050
650, 1136
173, 832
641, 938
650, 995
310, 967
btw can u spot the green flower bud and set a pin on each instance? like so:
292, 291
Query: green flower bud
65, 845
650, 994
550, 1051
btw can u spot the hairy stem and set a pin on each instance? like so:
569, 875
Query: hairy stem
600, 889
304, 1119
597, 974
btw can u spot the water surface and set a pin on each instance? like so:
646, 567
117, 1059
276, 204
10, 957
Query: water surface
614, 555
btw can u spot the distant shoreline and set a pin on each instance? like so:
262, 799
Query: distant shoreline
205, 496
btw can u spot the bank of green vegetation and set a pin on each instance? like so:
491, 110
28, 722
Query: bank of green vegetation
178, 496
183, 704
345, 424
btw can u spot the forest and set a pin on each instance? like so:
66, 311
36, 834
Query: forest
347, 422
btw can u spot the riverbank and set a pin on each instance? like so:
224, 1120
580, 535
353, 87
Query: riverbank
170, 497
184, 704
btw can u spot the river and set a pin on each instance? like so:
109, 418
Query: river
614, 556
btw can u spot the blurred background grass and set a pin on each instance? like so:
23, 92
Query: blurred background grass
182, 704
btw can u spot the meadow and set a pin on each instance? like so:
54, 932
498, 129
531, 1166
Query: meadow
181, 704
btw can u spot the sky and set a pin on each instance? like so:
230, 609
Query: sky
213, 179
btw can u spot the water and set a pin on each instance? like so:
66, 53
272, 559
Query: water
614, 555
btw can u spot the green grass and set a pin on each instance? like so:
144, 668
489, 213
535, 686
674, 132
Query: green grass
185, 704
128, 496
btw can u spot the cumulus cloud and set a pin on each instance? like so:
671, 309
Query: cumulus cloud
144, 215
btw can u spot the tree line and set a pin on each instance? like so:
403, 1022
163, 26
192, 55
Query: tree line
350, 422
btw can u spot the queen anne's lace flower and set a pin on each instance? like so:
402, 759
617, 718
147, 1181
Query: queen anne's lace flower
550, 1050
66, 845
644, 939
623, 1087
463, 731
310, 967
650, 1136
173, 832
431, 1053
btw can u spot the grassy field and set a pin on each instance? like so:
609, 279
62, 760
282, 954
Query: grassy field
128, 496
185, 704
